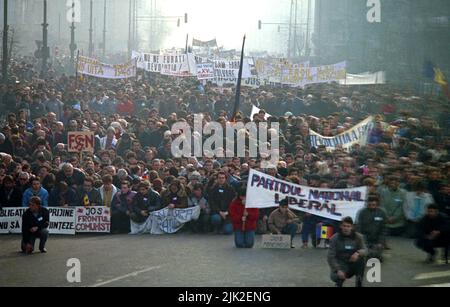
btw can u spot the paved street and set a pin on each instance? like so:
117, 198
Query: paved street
195, 260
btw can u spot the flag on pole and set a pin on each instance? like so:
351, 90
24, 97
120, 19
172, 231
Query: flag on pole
324, 232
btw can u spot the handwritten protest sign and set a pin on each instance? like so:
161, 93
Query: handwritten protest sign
81, 141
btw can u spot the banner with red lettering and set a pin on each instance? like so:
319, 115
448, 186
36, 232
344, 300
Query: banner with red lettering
93, 219
81, 141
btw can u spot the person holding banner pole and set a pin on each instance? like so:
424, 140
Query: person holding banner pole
35, 222
243, 220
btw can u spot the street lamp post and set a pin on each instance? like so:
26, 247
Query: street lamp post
5, 42
104, 29
72, 45
45, 50
91, 44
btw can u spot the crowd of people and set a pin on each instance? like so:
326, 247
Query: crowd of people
406, 164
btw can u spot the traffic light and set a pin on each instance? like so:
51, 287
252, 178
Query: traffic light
185, 18
259, 24
178, 22
279, 29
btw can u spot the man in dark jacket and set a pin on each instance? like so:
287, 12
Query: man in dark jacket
5, 145
372, 225
433, 231
70, 175
120, 217
35, 222
146, 201
219, 197
10, 196
346, 256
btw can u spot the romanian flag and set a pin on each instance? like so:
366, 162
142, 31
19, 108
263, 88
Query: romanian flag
324, 232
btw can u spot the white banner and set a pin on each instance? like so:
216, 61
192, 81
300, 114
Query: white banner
62, 220
229, 69
92, 67
178, 65
365, 79
93, 219
357, 135
264, 191
166, 221
205, 71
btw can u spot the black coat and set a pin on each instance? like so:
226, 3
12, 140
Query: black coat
10, 199
220, 197
440, 223
41, 221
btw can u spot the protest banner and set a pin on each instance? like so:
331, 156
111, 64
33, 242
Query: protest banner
166, 221
178, 65
62, 220
359, 134
205, 71
276, 241
81, 141
364, 79
264, 191
204, 44
93, 219
92, 67
11, 220
230, 69
320, 74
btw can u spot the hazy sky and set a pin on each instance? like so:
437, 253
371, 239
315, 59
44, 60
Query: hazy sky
229, 20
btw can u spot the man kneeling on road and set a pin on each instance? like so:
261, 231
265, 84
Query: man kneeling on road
284, 221
35, 222
346, 256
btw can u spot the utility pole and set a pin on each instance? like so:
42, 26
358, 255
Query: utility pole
72, 45
290, 31
104, 30
294, 47
45, 50
308, 23
5, 42
91, 44
129, 28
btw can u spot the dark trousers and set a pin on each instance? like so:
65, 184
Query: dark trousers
42, 235
120, 222
202, 225
350, 269
429, 245
290, 229
244, 239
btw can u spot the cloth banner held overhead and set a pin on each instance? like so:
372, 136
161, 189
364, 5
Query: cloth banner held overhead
92, 67
180, 65
364, 79
208, 44
264, 191
205, 71
166, 221
358, 134
230, 69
